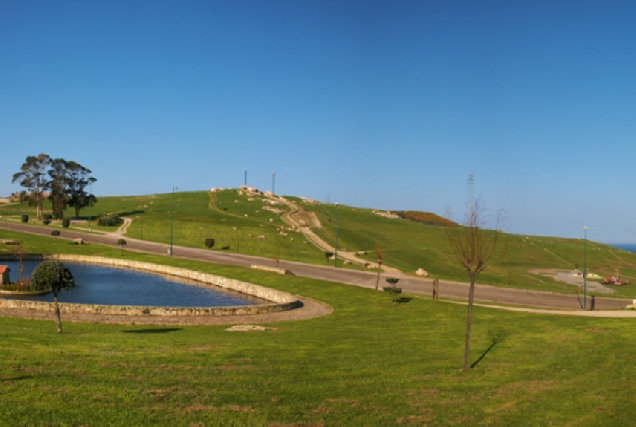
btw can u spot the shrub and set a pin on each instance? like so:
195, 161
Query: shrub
225, 248
392, 289
46, 221
66, 222
25, 218
47, 216
52, 275
55, 233
425, 218
209, 243
108, 220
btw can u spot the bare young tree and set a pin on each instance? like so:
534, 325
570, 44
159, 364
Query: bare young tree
474, 245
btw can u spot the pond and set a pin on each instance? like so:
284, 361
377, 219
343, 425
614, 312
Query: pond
96, 284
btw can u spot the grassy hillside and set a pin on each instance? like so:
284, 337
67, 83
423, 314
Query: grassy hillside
201, 215
366, 364
409, 245
406, 245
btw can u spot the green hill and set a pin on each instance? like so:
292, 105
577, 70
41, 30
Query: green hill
253, 225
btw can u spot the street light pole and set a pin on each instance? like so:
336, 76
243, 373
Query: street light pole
273, 176
245, 178
172, 220
585, 268
335, 260
90, 207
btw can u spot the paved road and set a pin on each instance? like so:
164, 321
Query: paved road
409, 284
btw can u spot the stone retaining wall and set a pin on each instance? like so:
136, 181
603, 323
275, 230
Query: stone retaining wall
280, 301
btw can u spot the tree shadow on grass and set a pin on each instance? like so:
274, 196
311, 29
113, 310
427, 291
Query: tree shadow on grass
403, 300
496, 336
128, 213
23, 377
152, 331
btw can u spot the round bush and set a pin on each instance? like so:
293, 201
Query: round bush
52, 275
209, 243
25, 218
66, 222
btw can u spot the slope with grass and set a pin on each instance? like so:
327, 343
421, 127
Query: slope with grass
236, 222
368, 363
409, 245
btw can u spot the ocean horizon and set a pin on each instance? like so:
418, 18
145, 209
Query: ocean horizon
631, 247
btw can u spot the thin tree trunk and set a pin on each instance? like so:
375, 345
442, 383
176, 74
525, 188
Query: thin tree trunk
377, 280
469, 320
57, 314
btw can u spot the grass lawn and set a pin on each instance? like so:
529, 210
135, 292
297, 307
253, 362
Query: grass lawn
368, 363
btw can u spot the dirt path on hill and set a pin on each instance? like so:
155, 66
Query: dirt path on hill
304, 226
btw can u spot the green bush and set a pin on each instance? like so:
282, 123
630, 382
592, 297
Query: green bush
66, 222
52, 275
225, 248
55, 233
25, 218
47, 216
108, 220
46, 221
209, 243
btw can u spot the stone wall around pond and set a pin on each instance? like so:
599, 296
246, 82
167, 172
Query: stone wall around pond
280, 301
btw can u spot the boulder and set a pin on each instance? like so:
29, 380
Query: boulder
421, 272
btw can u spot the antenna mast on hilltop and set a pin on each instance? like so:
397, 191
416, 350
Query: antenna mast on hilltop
471, 184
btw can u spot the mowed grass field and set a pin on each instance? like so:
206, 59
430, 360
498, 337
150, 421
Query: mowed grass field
236, 222
368, 363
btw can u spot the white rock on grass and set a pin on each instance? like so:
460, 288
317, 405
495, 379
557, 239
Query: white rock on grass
249, 328
421, 272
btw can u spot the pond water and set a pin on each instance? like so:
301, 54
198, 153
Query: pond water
96, 284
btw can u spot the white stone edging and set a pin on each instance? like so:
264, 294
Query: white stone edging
280, 301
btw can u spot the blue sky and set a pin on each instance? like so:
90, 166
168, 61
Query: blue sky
375, 104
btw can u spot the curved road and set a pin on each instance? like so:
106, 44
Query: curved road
455, 290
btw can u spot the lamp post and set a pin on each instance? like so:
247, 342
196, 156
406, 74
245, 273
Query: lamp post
584, 267
335, 259
90, 207
273, 177
172, 220
245, 178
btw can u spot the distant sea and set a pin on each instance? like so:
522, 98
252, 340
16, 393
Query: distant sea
627, 247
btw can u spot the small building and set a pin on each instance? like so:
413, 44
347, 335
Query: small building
5, 274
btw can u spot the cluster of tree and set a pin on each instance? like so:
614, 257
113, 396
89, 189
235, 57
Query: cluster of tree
64, 181
426, 218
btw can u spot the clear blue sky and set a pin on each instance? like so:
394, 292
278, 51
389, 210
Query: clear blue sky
387, 104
